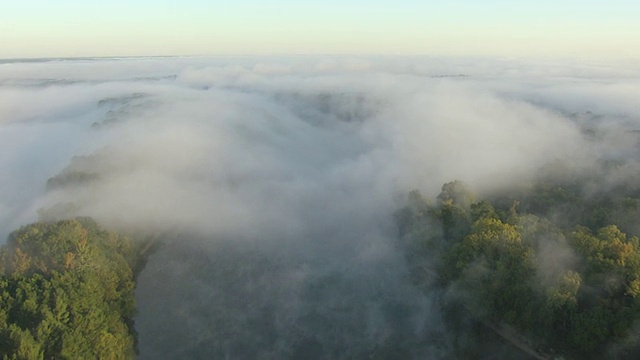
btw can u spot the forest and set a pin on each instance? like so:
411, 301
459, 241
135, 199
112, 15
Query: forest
67, 292
553, 266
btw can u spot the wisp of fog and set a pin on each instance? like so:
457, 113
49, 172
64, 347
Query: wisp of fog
272, 182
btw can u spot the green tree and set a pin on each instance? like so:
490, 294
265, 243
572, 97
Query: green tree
67, 292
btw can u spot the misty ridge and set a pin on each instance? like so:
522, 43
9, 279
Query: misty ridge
270, 190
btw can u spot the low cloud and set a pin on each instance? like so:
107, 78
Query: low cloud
301, 161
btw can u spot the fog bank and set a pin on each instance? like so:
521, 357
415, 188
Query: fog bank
272, 182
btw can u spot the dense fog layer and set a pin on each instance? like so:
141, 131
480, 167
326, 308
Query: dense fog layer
272, 182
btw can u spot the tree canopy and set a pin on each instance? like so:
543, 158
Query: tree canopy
566, 283
67, 292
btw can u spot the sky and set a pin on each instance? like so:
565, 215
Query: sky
543, 28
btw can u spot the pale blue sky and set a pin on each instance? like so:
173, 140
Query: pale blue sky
51, 28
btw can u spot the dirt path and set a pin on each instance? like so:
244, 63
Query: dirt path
515, 339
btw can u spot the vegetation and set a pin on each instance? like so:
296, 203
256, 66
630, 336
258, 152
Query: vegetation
550, 264
67, 292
